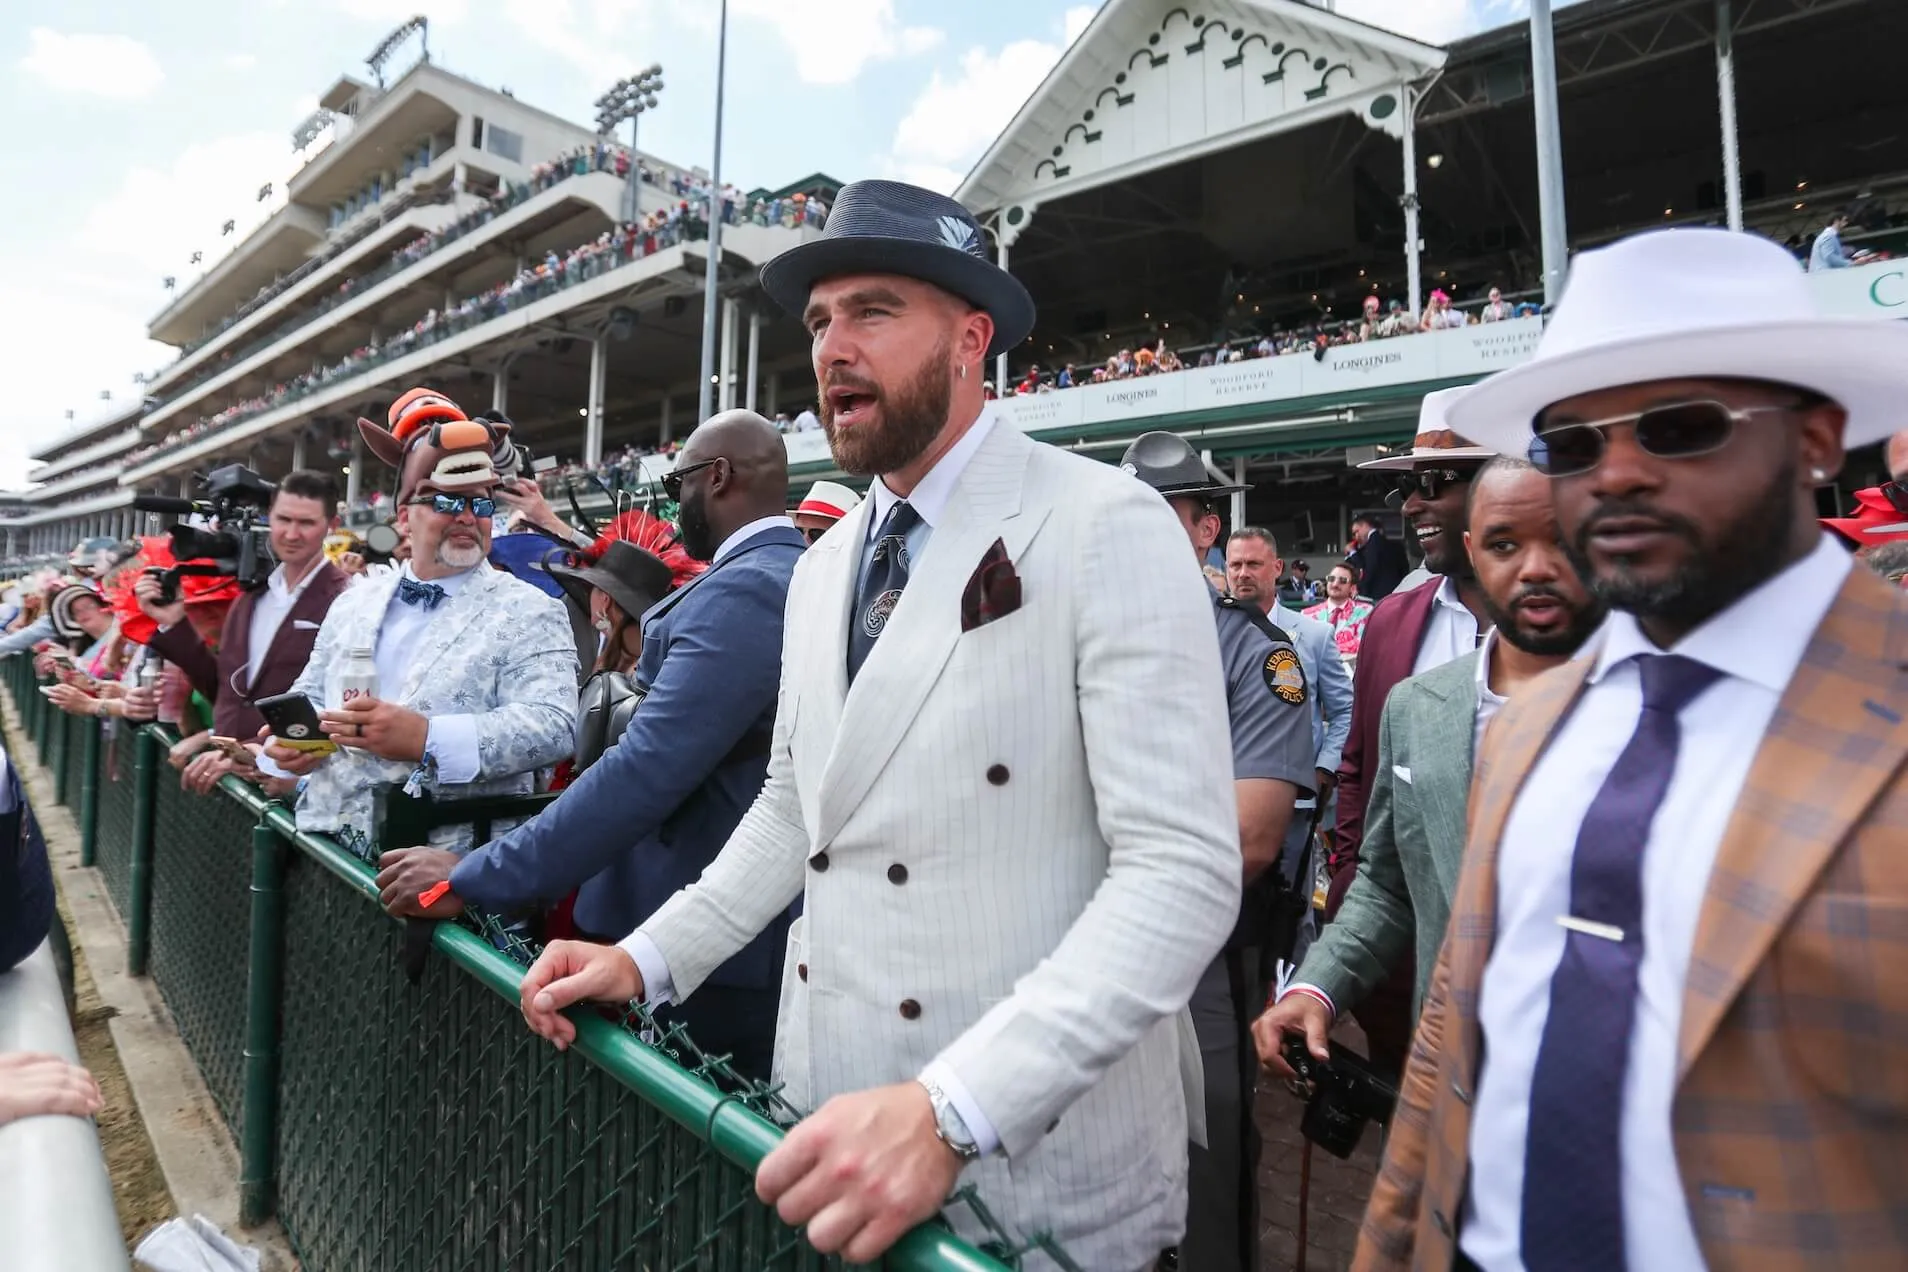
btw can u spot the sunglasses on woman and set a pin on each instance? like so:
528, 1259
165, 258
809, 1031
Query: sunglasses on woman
1682, 430
480, 506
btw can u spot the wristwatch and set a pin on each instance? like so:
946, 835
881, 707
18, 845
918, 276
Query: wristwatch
948, 1125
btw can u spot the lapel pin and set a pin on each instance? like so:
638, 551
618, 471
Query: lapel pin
1602, 931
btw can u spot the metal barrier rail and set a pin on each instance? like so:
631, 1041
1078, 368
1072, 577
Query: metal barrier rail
391, 1125
56, 1200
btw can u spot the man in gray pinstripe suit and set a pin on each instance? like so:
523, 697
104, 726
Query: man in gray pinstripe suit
1017, 851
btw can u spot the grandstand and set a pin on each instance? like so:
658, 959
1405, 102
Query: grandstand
1224, 179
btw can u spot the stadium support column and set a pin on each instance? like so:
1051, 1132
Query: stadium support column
731, 329
354, 475
1550, 183
773, 406
662, 433
751, 401
1009, 224
298, 450
1726, 96
593, 425
1000, 360
1414, 270
500, 385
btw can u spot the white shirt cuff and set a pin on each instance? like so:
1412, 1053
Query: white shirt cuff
452, 742
658, 988
1310, 991
941, 1074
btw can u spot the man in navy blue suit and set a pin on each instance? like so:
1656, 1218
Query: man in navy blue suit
642, 822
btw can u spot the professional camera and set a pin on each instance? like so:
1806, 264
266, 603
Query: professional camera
236, 500
1341, 1095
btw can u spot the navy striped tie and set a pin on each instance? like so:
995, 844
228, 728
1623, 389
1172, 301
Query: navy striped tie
1573, 1170
881, 585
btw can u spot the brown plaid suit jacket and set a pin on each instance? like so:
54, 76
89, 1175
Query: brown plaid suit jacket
1791, 1112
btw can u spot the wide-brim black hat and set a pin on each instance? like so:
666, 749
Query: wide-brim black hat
1168, 463
633, 578
887, 227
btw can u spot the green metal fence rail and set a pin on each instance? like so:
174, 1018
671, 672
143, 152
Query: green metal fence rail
395, 1127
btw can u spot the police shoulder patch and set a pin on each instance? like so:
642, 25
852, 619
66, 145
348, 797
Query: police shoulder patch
1285, 676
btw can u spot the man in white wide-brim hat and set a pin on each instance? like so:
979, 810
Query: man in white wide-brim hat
1655, 1034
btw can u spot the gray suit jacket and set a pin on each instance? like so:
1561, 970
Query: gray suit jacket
1414, 839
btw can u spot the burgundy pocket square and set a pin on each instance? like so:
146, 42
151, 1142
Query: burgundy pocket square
993, 590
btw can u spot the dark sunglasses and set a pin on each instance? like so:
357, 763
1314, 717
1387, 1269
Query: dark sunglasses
1680, 431
1896, 494
672, 480
1430, 482
480, 506
814, 535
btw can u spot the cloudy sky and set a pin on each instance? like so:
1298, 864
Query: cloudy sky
140, 128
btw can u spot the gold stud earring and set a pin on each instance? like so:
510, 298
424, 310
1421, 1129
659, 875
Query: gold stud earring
1818, 474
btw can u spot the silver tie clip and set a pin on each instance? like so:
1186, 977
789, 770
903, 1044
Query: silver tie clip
1603, 930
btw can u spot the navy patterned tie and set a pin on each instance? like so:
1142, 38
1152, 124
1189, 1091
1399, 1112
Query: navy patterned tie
881, 585
1573, 1170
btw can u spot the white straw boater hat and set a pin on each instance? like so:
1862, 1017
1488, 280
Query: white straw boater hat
1694, 304
1435, 442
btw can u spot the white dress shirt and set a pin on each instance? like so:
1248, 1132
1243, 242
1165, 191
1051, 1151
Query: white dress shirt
269, 609
929, 500
450, 740
1757, 643
748, 532
1451, 633
1489, 702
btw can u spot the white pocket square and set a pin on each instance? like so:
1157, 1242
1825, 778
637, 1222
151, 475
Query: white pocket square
1402, 773
305, 625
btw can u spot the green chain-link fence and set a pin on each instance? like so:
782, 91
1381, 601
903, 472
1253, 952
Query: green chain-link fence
400, 1126
201, 915
112, 851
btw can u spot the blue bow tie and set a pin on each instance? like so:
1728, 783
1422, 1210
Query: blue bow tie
412, 592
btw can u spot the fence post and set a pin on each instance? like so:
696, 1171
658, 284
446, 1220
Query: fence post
40, 707
62, 778
145, 790
89, 794
258, 1169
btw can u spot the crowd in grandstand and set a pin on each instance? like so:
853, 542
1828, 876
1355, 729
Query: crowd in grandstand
1314, 338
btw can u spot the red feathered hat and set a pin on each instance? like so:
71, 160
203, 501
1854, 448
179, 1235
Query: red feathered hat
653, 535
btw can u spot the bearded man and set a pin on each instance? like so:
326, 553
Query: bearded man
991, 786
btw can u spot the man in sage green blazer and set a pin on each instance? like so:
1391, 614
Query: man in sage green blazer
1427, 735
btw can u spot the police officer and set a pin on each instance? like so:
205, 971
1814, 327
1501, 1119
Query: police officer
1272, 766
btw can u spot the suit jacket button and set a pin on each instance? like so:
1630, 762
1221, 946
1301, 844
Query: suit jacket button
897, 874
801, 970
997, 775
910, 1010
819, 861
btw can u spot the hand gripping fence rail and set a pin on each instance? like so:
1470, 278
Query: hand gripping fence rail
412, 1124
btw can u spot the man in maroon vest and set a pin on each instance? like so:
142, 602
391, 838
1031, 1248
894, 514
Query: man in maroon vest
269, 633
1410, 632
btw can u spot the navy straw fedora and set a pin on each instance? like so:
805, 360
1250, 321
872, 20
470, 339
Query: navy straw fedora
887, 227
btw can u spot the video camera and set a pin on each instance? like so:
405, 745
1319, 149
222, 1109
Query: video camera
1341, 1095
237, 500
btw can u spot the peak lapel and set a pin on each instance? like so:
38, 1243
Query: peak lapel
922, 632
1512, 745
1839, 735
828, 597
